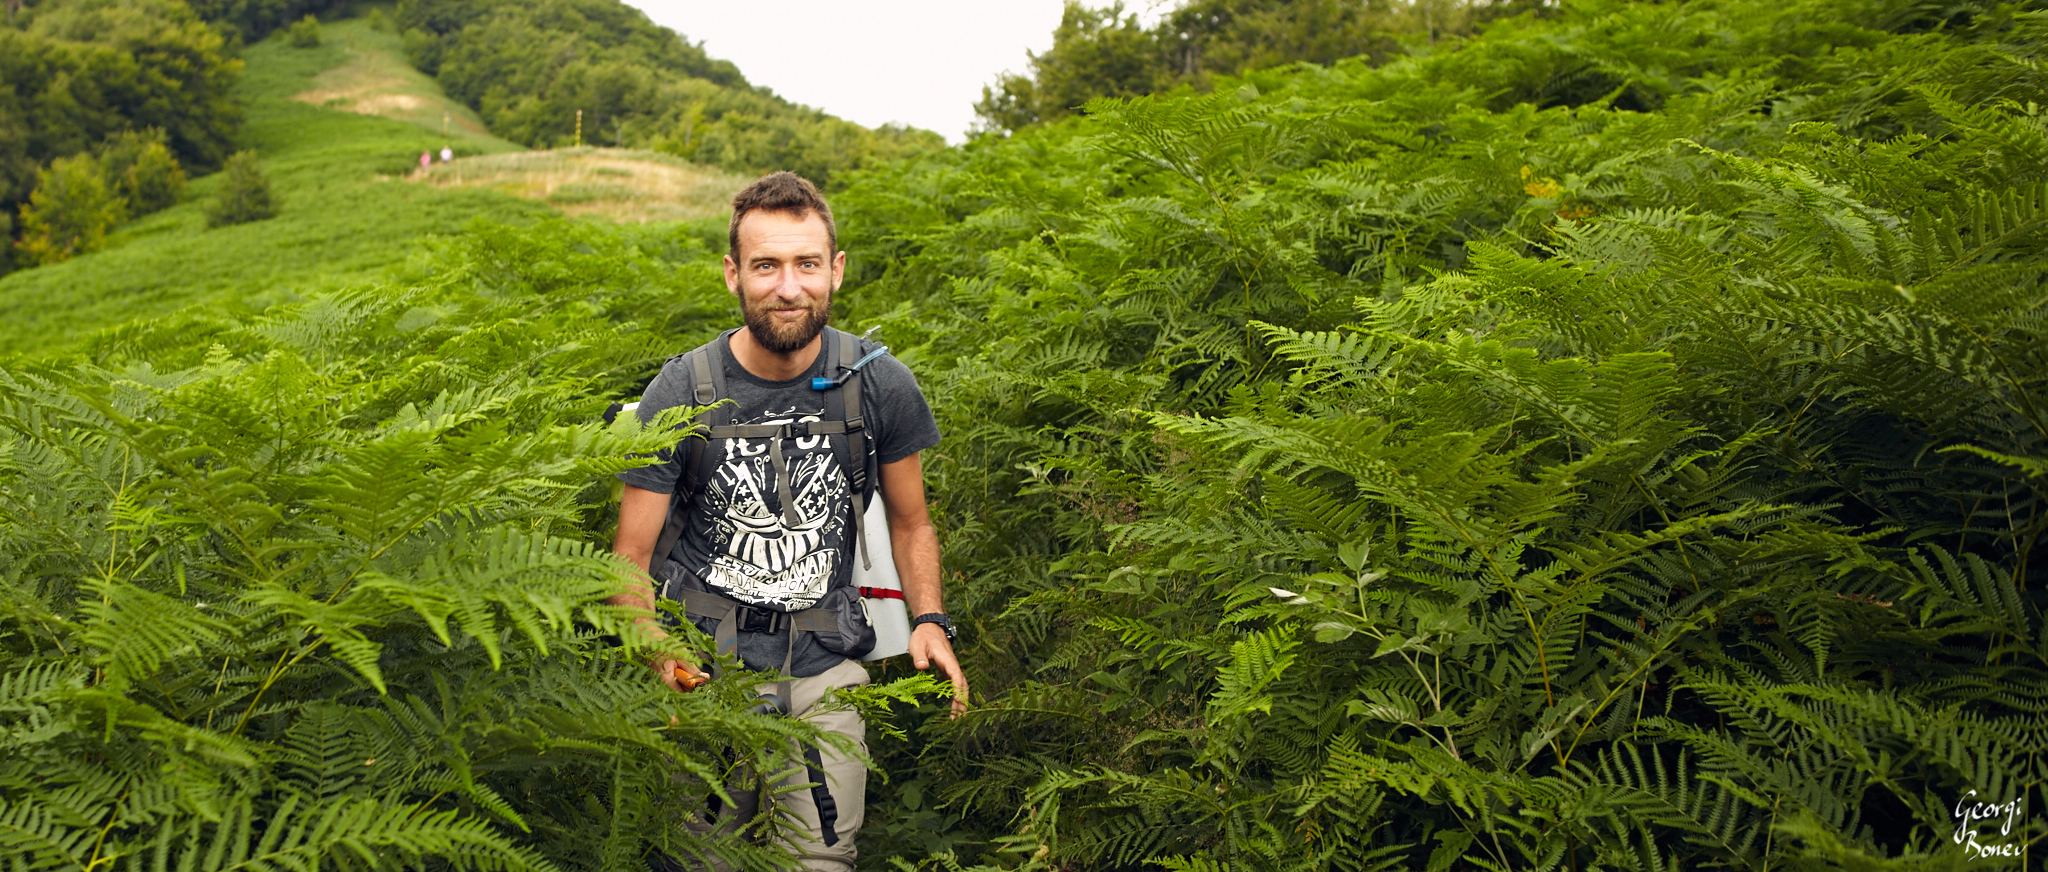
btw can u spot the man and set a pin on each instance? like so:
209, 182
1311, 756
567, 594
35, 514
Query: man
771, 527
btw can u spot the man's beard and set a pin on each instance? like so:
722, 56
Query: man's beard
784, 338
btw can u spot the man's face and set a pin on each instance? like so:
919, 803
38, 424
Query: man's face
785, 277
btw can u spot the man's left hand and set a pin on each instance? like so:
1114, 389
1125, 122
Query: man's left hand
929, 646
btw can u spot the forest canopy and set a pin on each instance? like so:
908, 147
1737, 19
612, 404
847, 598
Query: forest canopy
1103, 51
244, 21
74, 73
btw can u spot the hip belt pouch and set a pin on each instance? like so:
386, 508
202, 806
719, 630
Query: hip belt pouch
853, 635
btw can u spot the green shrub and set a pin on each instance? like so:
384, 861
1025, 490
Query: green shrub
70, 212
377, 20
304, 33
138, 164
154, 182
244, 194
1103, 52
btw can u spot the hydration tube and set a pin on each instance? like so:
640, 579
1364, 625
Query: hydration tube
825, 384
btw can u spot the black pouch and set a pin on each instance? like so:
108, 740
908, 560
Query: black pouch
855, 636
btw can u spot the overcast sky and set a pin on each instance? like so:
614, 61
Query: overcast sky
919, 62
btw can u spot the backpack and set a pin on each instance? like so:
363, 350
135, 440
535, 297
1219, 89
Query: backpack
879, 588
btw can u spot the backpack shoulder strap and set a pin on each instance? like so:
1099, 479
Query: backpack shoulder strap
706, 367
844, 403
707, 387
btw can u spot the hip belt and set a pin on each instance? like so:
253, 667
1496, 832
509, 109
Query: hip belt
735, 617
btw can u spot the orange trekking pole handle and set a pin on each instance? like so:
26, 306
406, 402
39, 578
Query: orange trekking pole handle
690, 680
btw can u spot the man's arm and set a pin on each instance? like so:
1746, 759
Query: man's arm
916, 544
641, 516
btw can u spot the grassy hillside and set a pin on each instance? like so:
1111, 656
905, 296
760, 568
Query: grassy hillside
372, 78
614, 184
346, 217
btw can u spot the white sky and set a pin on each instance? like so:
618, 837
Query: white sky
918, 62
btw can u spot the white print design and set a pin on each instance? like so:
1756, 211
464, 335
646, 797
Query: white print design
1968, 813
755, 557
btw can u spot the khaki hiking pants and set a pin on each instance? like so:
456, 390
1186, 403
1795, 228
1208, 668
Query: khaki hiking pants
804, 812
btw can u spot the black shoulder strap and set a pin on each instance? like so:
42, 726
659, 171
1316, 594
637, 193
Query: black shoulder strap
844, 404
706, 366
707, 387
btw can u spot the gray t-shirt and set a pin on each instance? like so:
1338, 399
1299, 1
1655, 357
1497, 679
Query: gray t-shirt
737, 542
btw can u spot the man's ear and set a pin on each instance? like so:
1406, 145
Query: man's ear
732, 276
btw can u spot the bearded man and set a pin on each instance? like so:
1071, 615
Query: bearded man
767, 517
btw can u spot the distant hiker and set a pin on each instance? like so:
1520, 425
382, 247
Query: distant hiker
426, 160
447, 154
766, 513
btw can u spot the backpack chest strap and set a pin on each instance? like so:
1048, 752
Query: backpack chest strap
792, 430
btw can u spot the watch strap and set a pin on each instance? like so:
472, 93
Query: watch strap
945, 623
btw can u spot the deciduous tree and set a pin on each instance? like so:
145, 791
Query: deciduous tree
70, 212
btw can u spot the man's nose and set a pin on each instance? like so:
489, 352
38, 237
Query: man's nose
786, 284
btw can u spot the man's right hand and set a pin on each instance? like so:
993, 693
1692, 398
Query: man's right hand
669, 667
673, 673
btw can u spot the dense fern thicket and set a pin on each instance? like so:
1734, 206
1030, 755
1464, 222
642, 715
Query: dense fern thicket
530, 68
321, 589
1616, 442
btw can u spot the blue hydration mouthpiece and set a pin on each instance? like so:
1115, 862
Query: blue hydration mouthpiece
825, 384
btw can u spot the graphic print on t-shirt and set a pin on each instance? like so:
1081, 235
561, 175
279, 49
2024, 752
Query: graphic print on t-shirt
755, 557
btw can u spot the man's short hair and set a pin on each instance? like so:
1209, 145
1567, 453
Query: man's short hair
780, 192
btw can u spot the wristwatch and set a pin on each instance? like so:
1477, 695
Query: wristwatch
945, 623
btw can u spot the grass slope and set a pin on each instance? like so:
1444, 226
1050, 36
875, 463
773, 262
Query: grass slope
344, 219
614, 184
376, 79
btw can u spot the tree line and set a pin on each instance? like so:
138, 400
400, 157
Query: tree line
128, 95
1106, 52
